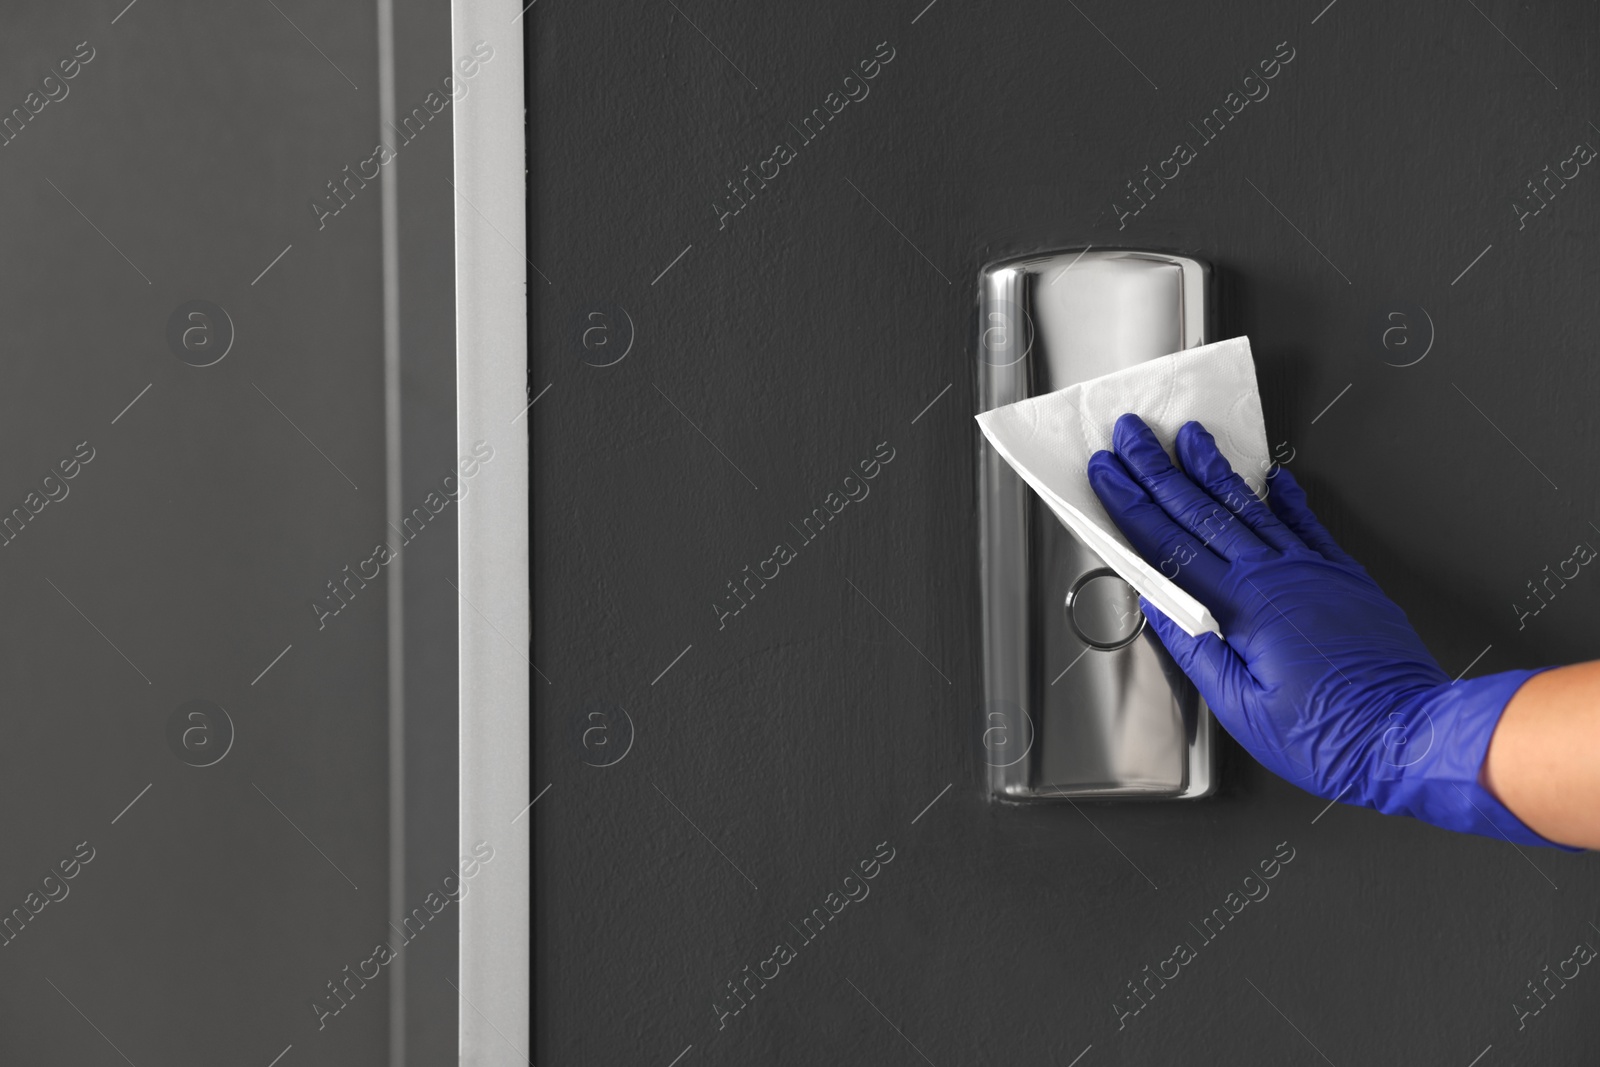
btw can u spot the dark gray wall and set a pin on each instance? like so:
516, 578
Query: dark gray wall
186, 554
779, 750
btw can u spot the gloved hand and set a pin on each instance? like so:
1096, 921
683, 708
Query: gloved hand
1318, 674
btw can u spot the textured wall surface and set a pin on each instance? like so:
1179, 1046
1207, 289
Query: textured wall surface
774, 346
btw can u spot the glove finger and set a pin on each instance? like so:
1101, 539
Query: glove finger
1192, 507
1175, 552
1288, 502
1205, 463
1212, 665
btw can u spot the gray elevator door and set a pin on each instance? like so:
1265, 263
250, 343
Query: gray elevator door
198, 466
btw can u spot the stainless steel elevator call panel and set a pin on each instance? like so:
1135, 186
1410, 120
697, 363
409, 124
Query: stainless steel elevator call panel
1080, 698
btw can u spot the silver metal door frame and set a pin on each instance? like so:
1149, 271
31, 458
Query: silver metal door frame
491, 360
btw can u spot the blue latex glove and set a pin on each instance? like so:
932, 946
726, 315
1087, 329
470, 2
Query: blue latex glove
1317, 673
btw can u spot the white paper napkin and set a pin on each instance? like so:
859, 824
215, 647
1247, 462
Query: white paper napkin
1048, 439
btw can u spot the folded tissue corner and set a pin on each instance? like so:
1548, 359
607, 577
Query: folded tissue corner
1048, 439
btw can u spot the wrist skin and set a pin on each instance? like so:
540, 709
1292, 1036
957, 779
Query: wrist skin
1453, 724
1541, 761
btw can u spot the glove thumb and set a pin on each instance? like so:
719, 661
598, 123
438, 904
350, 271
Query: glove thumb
1214, 668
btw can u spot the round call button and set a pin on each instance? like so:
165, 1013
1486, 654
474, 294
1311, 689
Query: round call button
1103, 610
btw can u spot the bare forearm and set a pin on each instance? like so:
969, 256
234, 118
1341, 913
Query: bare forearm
1544, 758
